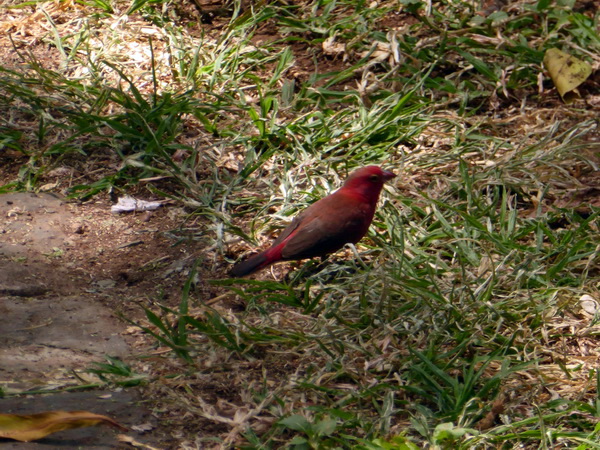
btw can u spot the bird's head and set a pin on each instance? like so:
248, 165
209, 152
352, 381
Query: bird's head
368, 181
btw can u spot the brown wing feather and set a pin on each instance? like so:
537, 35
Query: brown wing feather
326, 226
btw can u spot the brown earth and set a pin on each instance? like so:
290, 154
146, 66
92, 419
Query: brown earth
67, 272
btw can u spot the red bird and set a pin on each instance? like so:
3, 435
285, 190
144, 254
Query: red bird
325, 226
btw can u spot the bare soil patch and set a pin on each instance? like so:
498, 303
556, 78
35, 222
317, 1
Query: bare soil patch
68, 272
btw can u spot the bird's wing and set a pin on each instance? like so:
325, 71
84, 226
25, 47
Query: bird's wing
324, 228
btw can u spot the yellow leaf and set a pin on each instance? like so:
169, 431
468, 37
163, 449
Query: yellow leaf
36, 426
566, 71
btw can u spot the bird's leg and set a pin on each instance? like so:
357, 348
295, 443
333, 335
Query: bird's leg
303, 271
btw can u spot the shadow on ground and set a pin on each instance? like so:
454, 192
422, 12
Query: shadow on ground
65, 270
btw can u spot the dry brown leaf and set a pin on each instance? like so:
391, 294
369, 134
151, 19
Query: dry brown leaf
330, 47
566, 71
589, 305
30, 427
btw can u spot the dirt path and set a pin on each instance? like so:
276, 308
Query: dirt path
66, 272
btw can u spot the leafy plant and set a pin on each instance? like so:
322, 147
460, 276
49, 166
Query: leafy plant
116, 372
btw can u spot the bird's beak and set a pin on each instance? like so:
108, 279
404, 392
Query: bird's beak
387, 175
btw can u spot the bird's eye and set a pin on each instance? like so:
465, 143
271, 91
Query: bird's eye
374, 178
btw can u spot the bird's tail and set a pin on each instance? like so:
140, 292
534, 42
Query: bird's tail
250, 265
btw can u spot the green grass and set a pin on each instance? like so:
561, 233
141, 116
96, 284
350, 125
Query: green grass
452, 322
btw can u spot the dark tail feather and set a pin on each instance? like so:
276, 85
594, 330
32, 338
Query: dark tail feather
249, 266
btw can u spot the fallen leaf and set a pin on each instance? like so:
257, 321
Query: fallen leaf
566, 71
142, 428
30, 427
131, 441
589, 304
330, 47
